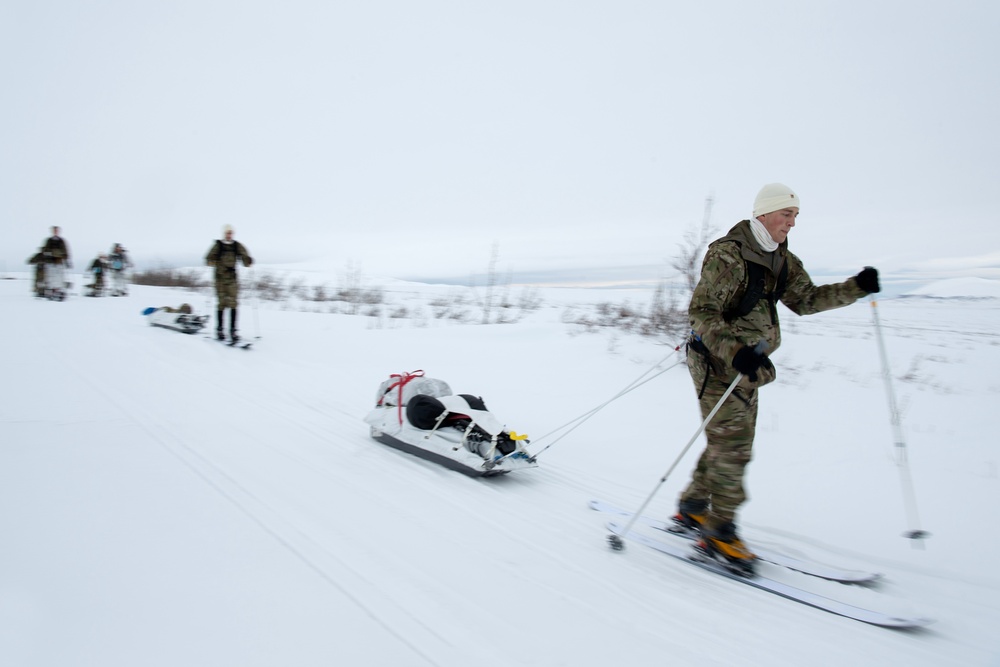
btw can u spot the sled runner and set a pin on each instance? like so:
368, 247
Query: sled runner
421, 416
177, 319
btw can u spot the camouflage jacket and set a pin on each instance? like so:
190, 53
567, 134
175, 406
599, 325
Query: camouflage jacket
722, 286
224, 257
55, 250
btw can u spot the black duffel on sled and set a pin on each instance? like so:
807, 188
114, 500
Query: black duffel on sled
421, 416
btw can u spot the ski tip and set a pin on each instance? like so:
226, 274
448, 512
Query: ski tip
905, 624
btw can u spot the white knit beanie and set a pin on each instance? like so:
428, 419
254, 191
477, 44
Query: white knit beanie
228, 228
774, 197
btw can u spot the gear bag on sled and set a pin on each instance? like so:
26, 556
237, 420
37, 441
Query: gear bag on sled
422, 416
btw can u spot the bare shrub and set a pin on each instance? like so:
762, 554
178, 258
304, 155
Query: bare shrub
451, 307
319, 293
495, 301
689, 254
162, 277
372, 296
529, 299
269, 287
661, 318
664, 317
297, 289
420, 318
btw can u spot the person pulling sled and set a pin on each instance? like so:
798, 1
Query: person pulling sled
98, 268
734, 326
119, 263
55, 256
225, 255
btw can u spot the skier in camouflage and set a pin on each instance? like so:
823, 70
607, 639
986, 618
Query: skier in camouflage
55, 253
733, 309
224, 256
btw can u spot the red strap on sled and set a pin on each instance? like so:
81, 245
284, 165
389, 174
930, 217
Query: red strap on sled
401, 381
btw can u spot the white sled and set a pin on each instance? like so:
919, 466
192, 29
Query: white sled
176, 319
421, 416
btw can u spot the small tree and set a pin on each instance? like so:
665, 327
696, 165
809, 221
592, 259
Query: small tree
491, 282
688, 259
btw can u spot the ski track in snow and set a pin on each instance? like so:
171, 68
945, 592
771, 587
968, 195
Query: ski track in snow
421, 565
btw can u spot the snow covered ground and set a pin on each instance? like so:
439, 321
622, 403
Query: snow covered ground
165, 500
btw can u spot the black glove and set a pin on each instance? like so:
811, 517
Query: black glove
868, 280
748, 360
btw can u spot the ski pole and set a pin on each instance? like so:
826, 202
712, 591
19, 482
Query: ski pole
909, 495
615, 541
635, 384
256, 297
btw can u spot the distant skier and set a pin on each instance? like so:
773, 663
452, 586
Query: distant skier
56, 257
97, 270
224, 255
119, 263
38, 260
734, 307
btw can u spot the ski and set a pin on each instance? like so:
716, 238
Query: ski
241, 344
811, 568
766, 581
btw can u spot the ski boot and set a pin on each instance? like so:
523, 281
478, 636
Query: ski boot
722, 545
219, 335
690, 517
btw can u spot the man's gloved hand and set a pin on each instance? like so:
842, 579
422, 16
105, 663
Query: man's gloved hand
748, 360
868, 280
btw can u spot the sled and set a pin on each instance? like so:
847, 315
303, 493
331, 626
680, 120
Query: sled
421, 416
176, 319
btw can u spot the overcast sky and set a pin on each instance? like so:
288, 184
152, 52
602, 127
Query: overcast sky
407, 137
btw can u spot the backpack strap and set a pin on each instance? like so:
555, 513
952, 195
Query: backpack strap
756, 281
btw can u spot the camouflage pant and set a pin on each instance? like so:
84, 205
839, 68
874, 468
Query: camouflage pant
227, 289
718, 476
